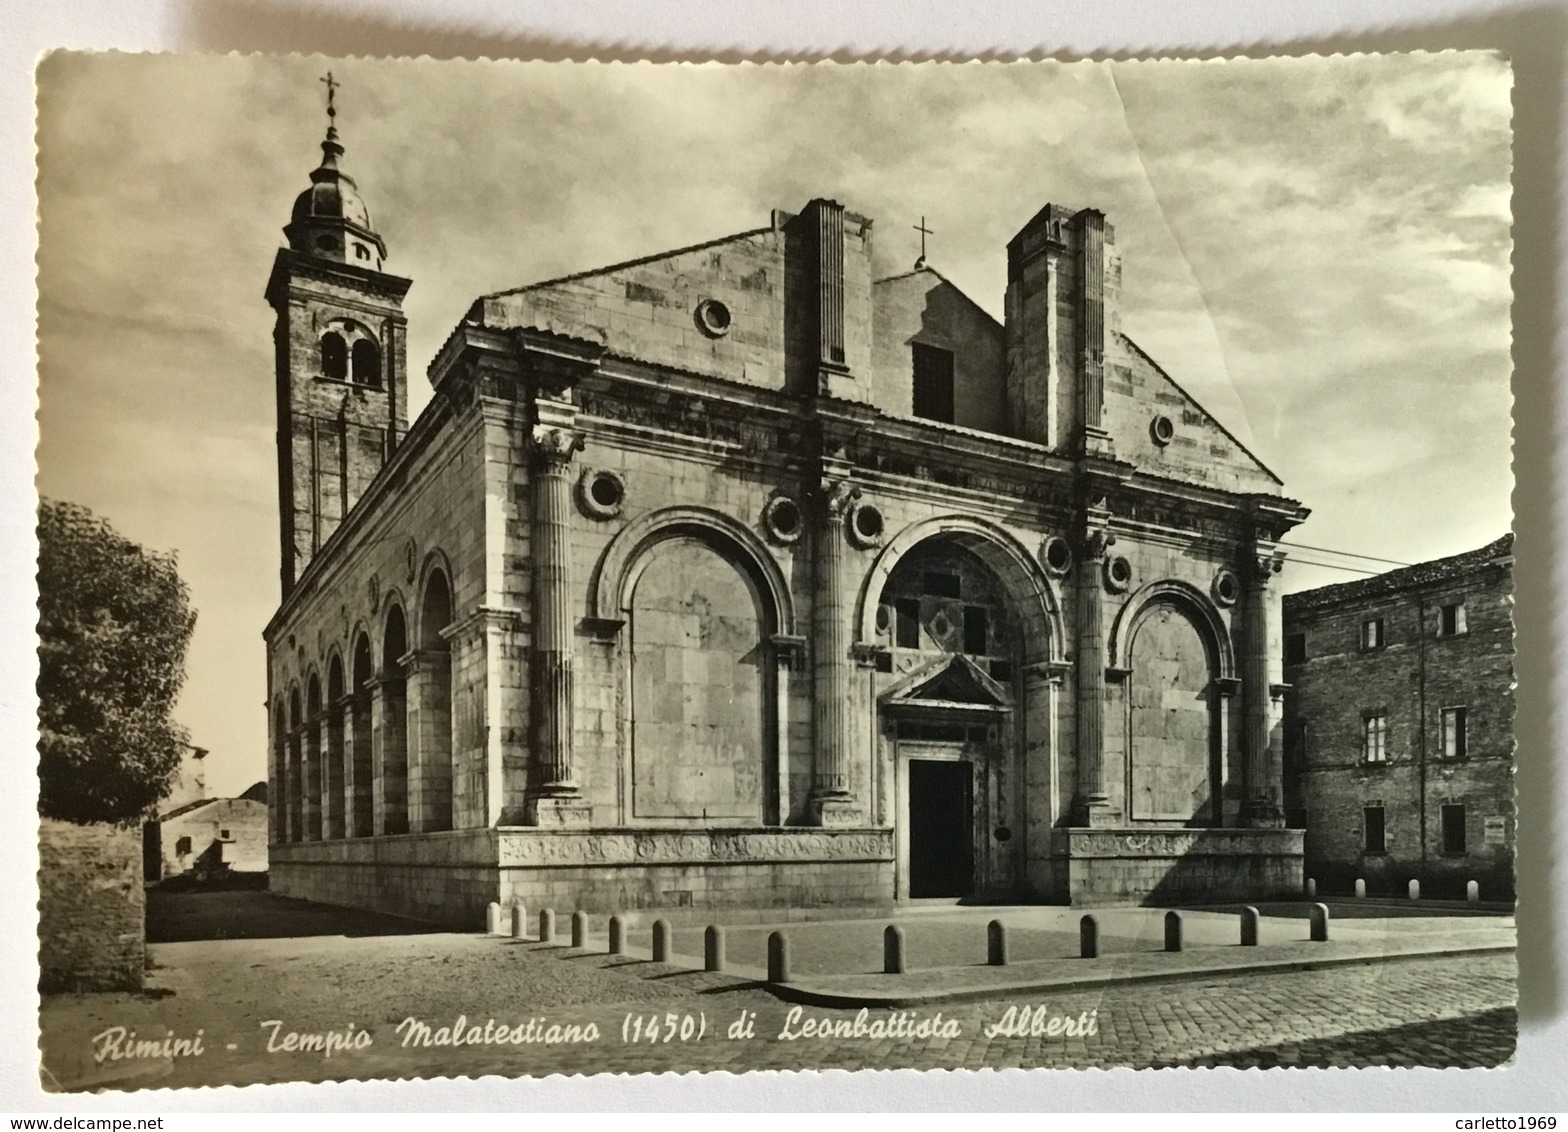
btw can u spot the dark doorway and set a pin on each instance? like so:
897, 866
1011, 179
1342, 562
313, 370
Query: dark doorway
941, 828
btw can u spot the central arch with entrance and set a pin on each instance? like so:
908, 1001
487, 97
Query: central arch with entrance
962, 622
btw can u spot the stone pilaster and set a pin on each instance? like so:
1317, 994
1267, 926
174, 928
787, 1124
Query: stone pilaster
1092, 807
360, 779
310, 778
428, 676
389, 754
553, 794
330, 744
832, 801
1264, 792
1091, 330
343, 713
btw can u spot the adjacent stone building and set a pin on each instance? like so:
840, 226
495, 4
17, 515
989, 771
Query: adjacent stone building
210, 839
732, 575
1399, 726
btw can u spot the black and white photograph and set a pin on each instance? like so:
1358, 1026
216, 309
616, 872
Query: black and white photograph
586, 568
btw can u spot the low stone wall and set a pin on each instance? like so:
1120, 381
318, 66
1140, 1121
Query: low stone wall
92, 909
445, 878
1191, 866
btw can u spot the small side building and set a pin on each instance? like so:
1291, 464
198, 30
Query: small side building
1399, 726
213, 837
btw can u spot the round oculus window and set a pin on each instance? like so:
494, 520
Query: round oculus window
781, 519
601, 492
713, 318
1058, 555
1118, 573
1227, 588
1161, 430
866, 525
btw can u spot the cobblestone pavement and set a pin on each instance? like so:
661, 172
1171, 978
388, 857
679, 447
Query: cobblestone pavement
246, 994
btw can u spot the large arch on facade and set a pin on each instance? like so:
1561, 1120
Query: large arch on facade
1189, 599
1020, 574
616, 576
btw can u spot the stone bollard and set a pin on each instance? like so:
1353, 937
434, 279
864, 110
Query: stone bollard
661, 941
547, 925
1249, 926
996, 944
1089, 938
1361, 887
617, 936
778, 958
1473, 891
1173, 931
713, 948
579, 929
493, 918
1320, 923
1312, 888
1415, 889
893, 950
519, 921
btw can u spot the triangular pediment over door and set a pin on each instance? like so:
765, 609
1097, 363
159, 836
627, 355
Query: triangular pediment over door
951, 684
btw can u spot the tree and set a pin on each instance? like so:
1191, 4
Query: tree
114, 621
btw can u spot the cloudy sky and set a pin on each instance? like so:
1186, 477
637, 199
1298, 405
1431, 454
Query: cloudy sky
1317, 249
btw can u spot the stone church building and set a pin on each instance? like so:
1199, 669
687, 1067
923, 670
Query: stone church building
733, 575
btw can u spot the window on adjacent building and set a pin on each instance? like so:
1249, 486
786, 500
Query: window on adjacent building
1372, 633
1373, 836
1374, 737
182, 847
1451, 620
976, 631
1295, 648
933, 383
1454, 831
907, 610
1453, 732
223, 834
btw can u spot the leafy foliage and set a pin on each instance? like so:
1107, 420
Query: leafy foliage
114, 621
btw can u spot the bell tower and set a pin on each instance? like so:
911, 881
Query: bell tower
341, 356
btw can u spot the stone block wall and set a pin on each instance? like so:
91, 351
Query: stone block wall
92, 912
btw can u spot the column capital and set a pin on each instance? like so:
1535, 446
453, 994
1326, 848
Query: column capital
1051, 671
1263, 563
421, 660
484, 617
554, 444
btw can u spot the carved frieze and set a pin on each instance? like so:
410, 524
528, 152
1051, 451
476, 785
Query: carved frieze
1181, 843
666, 847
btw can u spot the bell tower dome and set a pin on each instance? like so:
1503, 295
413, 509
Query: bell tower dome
341, 356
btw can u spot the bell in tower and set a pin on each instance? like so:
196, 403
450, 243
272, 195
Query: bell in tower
341, 357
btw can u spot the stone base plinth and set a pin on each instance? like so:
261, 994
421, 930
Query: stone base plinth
1177, 866
450, 877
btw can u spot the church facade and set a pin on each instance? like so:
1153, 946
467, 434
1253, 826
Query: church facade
733, 576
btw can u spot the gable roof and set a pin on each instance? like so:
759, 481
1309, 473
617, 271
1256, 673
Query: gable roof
1144, 355
927, 269
1435, 572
